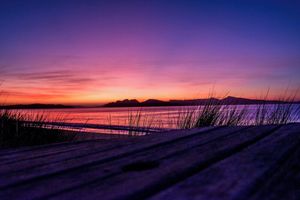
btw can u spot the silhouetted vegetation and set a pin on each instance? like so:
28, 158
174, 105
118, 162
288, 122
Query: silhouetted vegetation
278, 113
213, 113
140, 123
19, 129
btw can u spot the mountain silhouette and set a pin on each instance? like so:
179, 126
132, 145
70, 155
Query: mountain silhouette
230, 100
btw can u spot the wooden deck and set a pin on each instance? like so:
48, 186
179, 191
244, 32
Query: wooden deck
210, 163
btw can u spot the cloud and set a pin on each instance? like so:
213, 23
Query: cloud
45, 84
30, 95
57, 77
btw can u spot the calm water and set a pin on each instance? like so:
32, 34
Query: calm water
162, 117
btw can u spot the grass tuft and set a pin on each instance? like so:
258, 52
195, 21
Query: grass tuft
233, 116
18, 129
213, 113
279, 113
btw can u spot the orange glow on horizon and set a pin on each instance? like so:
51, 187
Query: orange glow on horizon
110, 94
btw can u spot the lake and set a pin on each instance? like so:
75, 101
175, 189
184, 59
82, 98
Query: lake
156, 117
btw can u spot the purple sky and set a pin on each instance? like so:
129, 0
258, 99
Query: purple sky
98, 51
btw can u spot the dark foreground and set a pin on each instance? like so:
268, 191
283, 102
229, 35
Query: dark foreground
210, 163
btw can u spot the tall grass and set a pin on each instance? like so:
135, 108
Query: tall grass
212, 113
233, 116
261, 112
134, 121
140, 123
185, 118
18, 129
280, 113
208, 115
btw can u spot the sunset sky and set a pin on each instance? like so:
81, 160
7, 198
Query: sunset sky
81, 52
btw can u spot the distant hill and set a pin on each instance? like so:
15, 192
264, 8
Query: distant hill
124, 103
151, 102
154, 102
36, 106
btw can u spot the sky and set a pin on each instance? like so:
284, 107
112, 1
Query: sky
90, 52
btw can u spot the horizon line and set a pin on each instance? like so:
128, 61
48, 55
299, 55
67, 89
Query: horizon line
143, 100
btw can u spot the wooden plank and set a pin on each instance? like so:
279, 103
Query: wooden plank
104, 170
4, 153
100, 144
38, 148
112, 179
13, 174
13, 151
63, 147
284, 184
53, 154
40, 152
97, 137
238, 176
